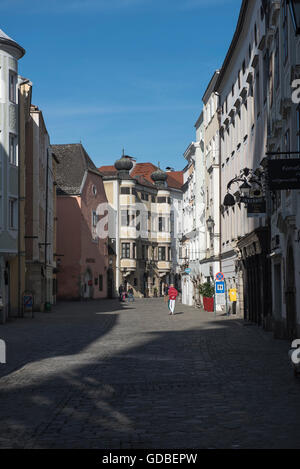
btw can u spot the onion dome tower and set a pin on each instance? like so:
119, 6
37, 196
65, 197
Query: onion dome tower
123, 166
159, 177
10, 46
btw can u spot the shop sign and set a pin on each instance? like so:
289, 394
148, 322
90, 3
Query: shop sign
256, 207
284, 174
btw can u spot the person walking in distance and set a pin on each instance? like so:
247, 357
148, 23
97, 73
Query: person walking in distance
130, 294
166, 290
121, 291
173, 293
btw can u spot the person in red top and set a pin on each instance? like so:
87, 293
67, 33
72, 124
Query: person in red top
173, 293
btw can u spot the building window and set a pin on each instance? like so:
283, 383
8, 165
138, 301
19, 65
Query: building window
161, 253
12, 87
161, 224
285, 32
126, 250
125, 190
138, 222
277, 64
12, 214
257, 93
266, 76
94, 219
298, 128
144, 252
12, 149
125, 218
100, 282
287, 146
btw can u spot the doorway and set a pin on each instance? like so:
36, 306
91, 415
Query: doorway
290, 297
88, 284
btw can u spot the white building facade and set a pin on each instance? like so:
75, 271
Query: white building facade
284, 136
10, 53
193, 247
243, 131
211, 263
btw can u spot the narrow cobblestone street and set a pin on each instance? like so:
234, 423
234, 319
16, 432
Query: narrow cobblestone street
105, 375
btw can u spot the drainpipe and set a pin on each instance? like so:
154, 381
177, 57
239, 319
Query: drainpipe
46, 225
118, 238
19, 208
20, 198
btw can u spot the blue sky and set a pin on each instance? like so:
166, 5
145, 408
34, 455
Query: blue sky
121, 73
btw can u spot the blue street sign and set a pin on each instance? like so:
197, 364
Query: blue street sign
219, 287
220, 276
187, 271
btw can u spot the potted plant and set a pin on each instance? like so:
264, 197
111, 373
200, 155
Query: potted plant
207, 291
155, 291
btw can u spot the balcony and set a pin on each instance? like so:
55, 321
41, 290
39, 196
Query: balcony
274, 11
164, 266
128, 265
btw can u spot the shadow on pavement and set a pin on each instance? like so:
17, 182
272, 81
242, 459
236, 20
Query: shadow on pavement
213, 386
52, 333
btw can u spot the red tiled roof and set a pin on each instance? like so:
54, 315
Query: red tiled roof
107, 169
175, 179
145, 170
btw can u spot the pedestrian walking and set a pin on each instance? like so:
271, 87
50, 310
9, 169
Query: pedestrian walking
121, 292
130, 294
173, 293
166, 289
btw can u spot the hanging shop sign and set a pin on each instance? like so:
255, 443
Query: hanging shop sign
256, 207
284, 174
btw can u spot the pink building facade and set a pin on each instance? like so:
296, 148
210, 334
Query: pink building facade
82, 257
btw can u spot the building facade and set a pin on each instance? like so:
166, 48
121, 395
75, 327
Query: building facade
245, 239
142, 226
193, 242
40, 212
82, 255
211, 264
283, 65
10, 53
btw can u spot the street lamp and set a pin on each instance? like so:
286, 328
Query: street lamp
210, 223
248, 178
245, 189
295, 12
229, 200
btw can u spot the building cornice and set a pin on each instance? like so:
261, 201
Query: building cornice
232, 47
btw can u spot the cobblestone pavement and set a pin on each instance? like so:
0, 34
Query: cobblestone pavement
104, 375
